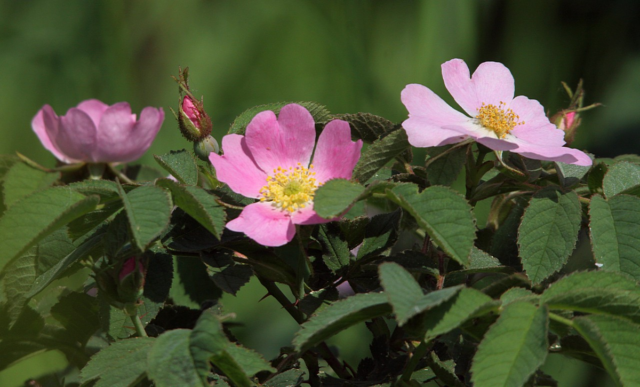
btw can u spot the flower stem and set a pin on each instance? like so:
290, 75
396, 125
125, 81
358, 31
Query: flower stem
323, 348
416, 355
561, 319
132, 311
119, 174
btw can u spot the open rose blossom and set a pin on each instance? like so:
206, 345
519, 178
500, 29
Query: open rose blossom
271, 163
94, 132
497, 119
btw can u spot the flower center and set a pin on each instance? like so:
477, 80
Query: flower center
290, 189
498, 119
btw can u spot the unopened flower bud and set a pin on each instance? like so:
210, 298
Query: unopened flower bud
567, 121
123, 283
194, 122
205, 147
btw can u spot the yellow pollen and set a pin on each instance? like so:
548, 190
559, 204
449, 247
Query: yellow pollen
291, 189
498, 119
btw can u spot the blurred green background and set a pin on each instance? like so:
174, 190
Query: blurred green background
349, 55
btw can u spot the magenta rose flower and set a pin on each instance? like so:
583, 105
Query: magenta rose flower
94, 132
271, 163
496, 119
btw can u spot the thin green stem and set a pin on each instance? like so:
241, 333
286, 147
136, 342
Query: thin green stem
119, 174
323, 348
561, 319
416, 355
135, 319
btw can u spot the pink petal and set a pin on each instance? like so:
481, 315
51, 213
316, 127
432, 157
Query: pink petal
420, 101
536, 128
537, 152
237, 168
307, 215
424, 133
264, 224
77, 136
284, 142
491, 83
552, 153
336, 155
114, 134
45, 124
94, 108
137, 139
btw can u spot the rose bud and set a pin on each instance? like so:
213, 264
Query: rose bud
195, 124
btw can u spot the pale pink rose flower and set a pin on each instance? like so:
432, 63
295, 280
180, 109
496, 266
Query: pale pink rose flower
94, 132
271, 163
496, 119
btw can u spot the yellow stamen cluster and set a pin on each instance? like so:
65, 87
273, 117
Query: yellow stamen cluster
290, 189
498, 119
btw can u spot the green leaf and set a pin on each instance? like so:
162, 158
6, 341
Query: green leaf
106, 189
199, 204
405, 295
171, 362
616, 342
18, 277
443, 214
378, 154
93, 219
117, 324
444, 370
452, 313
339, 316
319, 113
191, 284
380, 234
335, 196
513, 348
615, 233
621, 176
335, 249
149, 210
480, 261
292, 377
21, 180
595, 178
85, 249
445, 163
78, 314
597, 292
30, 220
181, 165
368, 126
141, 173
225, 273
121, 364
548, 232
570, 174
251, 362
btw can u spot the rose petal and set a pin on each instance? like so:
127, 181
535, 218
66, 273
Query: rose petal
139, 137
237, 168
114, 134
308, 216
94, 108
420, 101
45, 125
284, 142
264, 224
423, 132
551, 153
76, 135
491, 83
336, 155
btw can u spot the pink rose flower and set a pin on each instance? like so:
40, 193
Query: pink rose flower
271, 163
497, 119
94, 132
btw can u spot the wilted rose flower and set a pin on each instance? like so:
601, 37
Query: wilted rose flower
495, 118
94, 132
271, 163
